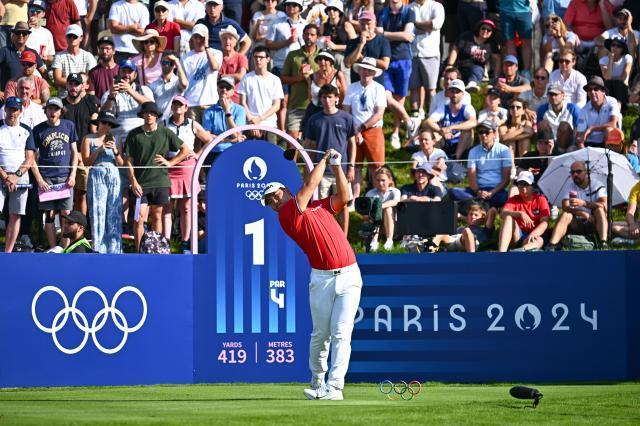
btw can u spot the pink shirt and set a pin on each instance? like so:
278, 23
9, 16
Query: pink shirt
151, 74
232, 65
587, 23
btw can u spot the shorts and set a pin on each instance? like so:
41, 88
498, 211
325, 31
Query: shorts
294, 119
424, 73
372, 148
582, 227
327, 187
154, 196
17, 200
57, 205
396, 77
81, 179
510, 23
277, 71
180, 178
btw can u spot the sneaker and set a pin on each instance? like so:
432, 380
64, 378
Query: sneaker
551, 247
604, 245
388, 245
413, 127
374, 246
395, 140
619, 241
325, 393
472, 87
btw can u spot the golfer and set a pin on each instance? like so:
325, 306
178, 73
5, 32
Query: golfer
334, 290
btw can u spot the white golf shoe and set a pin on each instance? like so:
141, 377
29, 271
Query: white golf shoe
325, 393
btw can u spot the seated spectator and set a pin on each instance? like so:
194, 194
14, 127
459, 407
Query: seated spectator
223, 116
429, 154
10, 66
473, 52
588, 19
630, 228
72, 60
40, 92
103, 75
127, 19
169, 84
32, 113
616, 68
234, 64
525, 217
103, 154
425, 187
384, 188
165, 28
73, 225
622, 30
492, 110
559, 116
479, 229
539, 89
599, 115
510, 83
632, 155
58, 16
517, 131
16, 157
40, 38
454, 123
537, 161
584, 208
441, 99
488, 169
556, 38
572, 80
151, 46
517, 17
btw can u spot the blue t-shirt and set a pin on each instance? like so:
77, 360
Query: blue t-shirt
396, 23
215, 121
430, 191
214, 29
54, 147
489, 164
331, 131
515, 6
378, 48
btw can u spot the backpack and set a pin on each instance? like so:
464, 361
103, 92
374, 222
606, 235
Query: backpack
153, 242
577, 242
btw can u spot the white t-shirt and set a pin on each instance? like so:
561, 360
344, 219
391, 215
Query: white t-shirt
260, 92
618, 66
432, 159
281, 30
81, 5
589, 117
202, 90
164, 93
428, 44
498, 117
69, 64
392, 193
440, 100
191, 11
573, 86
41, 41
12, 146
30, 116
364, 100
126, 14
590, 194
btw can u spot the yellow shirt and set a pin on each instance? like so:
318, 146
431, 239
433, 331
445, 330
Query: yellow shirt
634, 196
15, 12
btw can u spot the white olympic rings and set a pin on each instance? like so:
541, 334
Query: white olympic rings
253, 195
80, 320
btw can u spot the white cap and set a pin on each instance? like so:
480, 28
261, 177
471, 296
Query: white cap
457, 84
525, 176
74, 29
200, 29
270, 189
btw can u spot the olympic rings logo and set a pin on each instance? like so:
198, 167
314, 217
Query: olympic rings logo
80, 320
406, 390
253, 195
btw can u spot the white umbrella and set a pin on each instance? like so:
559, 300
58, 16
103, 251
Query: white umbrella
556, 180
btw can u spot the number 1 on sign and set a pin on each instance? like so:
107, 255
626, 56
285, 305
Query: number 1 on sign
257, 230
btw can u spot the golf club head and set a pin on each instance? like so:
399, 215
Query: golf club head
289, 153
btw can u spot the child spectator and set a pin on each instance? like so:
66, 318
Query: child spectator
390, 195
479, 229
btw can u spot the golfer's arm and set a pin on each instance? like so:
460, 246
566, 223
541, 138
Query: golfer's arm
311, 182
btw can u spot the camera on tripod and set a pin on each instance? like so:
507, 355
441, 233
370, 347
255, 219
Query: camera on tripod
372, 208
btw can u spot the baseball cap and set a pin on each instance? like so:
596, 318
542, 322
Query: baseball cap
55, 101
624, 11
555, 88
229, 81
493, 91
525, 176
213, 1
74, 29
615, 137
270, 189
13, 102
367, 15
76, 217
37, 4
510, 58
161, 3
75, 77
457, 84
106, 39
180, 99
128, 63
488, 124
28, 56
426, 167
200, 29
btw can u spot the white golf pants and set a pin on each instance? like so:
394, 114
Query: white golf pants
334, 296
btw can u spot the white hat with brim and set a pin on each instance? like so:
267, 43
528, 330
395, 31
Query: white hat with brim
336, 4
149, 34
200, 29
298, 2
367, 64
270, 189
230, 30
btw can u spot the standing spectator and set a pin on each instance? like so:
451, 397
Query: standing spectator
384, 188
10, 66
426, 63
103, 154
298, 67
81, 109
335, 32
180, 177
510, 82
469, 13
16, 157
12, 11
201, 66
366, 101
488, 169
166, 28
599, 115
224, 115
516, 16
559, 116
556, 38
517, 131
102, 76
215, 21
332, 128
616, 68
525, 217
588, 19
148, 145
41, 91
169, 84
263, 20
72, 60
127, 19
472, 53
59, 15
571, 79
233, 8
57, 161
286, 34
234, 64
151, 46
31, 113
185, 13
261, 92
325, 74
554, 7
396, 24
86, 10
40, 38
455, 122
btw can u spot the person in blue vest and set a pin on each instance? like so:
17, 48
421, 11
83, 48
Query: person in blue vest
73, 226
454, 122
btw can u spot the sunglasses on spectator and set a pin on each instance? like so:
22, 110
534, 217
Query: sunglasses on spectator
594, 89
576, 172
160, 9
72, 36
331, 9
27, 64
150, 41
363, 100
483, 132
35, 11
516, 107
564, 61
488, 29
521, 184
166, 63
540, 77
21, 33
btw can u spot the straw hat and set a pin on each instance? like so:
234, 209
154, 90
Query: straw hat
148, 34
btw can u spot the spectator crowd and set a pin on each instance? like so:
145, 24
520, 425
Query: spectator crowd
106, 106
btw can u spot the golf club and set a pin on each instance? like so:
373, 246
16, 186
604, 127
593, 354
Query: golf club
291, 152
